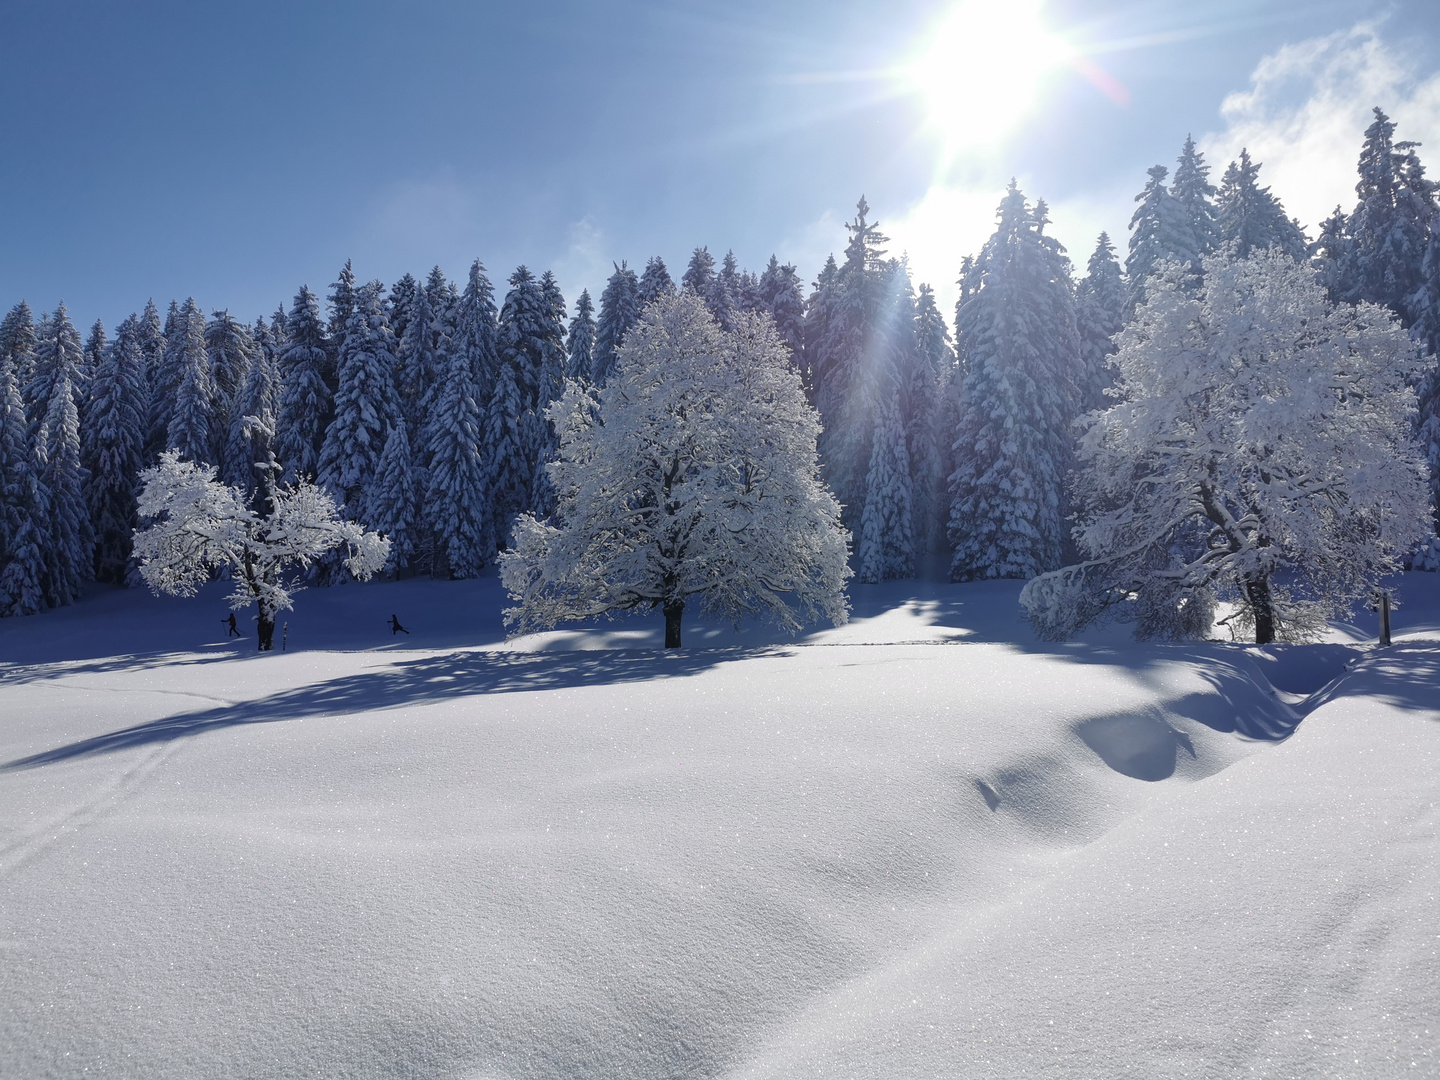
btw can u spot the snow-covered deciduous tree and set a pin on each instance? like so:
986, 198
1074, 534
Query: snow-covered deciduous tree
698, 482
1261, 452
196, 526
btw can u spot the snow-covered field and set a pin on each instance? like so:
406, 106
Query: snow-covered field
920, 845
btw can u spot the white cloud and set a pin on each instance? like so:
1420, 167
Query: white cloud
1306, 110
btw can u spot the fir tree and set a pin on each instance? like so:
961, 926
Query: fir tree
366, 405
507, 479
417, 365
549, 384
62, 480
821, 311
1099, 316
1196, 195
655, 282
1013, 405
925, 430
305, 399
699, 277
112, 449
476, 331
251, 438
341, 306
94, 355
1251, 217
1161, 228
581, 337
619, 309
193, 418
393, 507
725, 292
23, 540
398, 303
1333, 256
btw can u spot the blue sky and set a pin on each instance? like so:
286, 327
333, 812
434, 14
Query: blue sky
234, 151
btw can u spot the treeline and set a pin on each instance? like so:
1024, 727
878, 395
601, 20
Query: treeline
421, 406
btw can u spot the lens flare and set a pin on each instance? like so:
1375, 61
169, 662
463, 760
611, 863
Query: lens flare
983, 68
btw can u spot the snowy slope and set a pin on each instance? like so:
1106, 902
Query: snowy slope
922, 844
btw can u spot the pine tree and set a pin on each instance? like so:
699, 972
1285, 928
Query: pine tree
62, 479
581, 337
366, 406
619, 309
193, 418
306, 404
23, 539
111, 451
1160, 228
1194, 192
393, 509
1251, 217
1099, 316
655, 282
778, 292
1013, 405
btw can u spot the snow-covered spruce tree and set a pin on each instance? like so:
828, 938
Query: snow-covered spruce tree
306, 403
397, 305
926, 430
1425, 303
886, 548
112, 445
196, 526
96, 346
723, 299
232, 353
550, 383
1160, 229
619, 308
699, 483
1194, 192
458, 493
505, 467
1333, 257
1261, 452
17, 342
394, 510
1099, 316
250, 441
655, 282
166, 373
58, 355
22, 504
699, 277
476, 331
417, 364
193, 416
530, 343
1251, 217
580, 340
341, 306
69, 539
365, 403
1013, 404
780, 294
1391, 223
822, 310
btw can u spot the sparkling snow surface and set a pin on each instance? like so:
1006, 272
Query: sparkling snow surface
919, 845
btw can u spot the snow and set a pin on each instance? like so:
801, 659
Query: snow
921, 844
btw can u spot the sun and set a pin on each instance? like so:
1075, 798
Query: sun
982, 68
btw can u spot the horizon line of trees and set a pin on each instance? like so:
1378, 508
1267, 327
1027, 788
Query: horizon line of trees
422, 407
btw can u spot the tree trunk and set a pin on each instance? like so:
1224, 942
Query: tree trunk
1257, 592
266, 624
673, 610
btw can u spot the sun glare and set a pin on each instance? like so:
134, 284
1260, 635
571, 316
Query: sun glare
982, 69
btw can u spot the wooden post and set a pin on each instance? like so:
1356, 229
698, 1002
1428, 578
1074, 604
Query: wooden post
1384, 618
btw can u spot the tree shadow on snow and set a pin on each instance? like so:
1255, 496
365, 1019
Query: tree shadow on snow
419, 681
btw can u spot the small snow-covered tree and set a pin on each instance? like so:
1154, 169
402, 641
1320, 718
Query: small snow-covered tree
197, 526
699, 481
1262, 451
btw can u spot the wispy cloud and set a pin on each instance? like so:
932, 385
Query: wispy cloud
1306, 109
